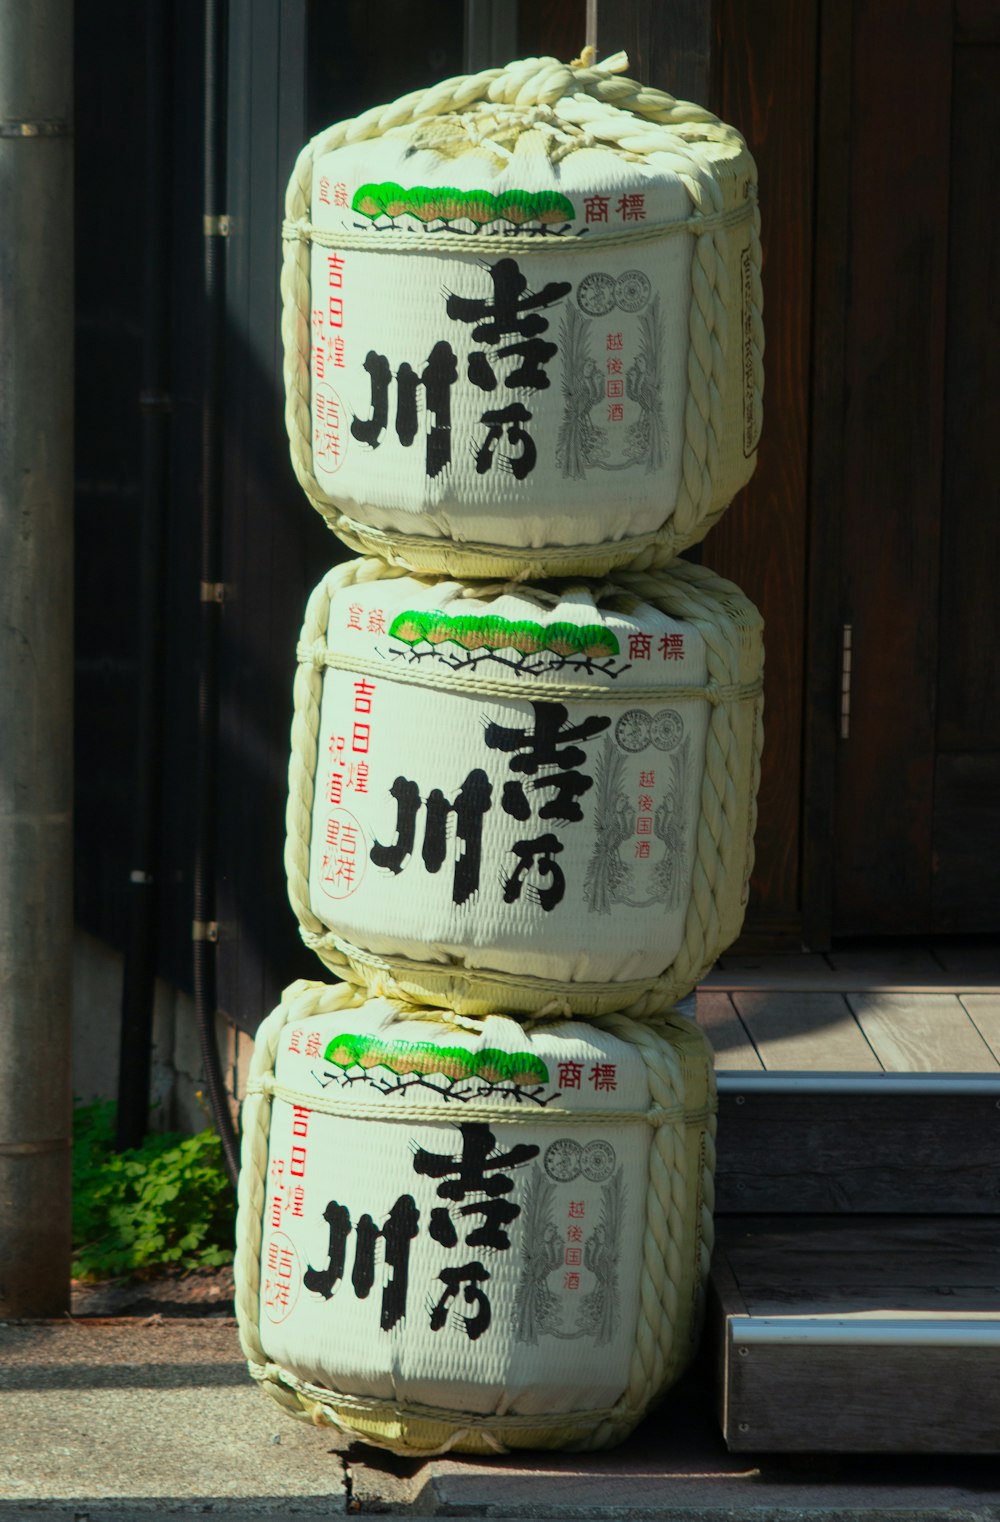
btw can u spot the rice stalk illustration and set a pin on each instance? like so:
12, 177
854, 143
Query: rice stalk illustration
669, 825
606, 878
643, 385
536, 1307
599, 1309
581, 444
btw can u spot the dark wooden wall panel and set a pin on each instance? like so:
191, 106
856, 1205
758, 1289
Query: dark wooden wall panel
669, 45
767, 88
893, 461
831, 284
551, 29
969, 685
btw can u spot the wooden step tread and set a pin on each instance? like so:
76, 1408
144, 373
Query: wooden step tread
866, 1335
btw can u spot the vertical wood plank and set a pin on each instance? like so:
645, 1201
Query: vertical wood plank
767, 88
893, 461
970, 550
668, 42
831, 275
551, 28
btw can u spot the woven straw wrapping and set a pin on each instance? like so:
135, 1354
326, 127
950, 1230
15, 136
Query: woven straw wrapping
539, 114
718, 853
662, 1278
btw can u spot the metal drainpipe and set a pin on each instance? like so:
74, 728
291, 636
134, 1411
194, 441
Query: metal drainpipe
36, 654
205, 928
138, 989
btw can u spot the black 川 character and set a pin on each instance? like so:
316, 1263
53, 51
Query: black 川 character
472, 801
398, 1232
436, 379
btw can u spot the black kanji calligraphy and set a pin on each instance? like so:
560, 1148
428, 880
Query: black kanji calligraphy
539, 856
514, 312
549, 743
435, 380
472, 1275
476, 1171
472, 802
398, 1232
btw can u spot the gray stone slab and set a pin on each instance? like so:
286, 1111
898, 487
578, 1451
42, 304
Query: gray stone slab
160, 1412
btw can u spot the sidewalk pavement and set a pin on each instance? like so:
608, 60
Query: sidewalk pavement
105, 1419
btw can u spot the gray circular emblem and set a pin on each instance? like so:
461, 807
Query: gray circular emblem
633, 729
668, 729
598, 1161
596, 294
632, 290
562, 1160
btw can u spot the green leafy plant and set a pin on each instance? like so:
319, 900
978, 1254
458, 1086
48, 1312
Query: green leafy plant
167, 1203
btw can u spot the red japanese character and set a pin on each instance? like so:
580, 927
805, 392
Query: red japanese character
632, 208
363, 696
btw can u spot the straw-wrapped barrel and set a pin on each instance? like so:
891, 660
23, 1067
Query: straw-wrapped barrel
516, 798
522, 323
472, 1236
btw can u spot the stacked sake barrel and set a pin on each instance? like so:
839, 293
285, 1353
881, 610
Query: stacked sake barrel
523, 370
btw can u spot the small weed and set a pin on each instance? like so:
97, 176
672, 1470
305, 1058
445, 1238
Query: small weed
167, 1203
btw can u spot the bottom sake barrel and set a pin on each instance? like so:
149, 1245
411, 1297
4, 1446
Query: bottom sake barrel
469, 1235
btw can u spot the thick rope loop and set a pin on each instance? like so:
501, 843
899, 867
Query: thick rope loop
613, 110
676, 1246
726, 823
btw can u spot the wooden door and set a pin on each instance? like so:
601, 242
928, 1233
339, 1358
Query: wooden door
876, 128
916, 840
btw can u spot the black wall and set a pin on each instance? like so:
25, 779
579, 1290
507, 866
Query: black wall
292, 68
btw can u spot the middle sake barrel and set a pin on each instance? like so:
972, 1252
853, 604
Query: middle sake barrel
515, 798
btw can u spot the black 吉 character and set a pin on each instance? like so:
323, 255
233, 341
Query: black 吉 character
549, 744
475, 1171
514, 313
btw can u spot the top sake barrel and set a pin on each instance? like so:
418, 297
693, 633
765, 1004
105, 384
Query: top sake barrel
522, 323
